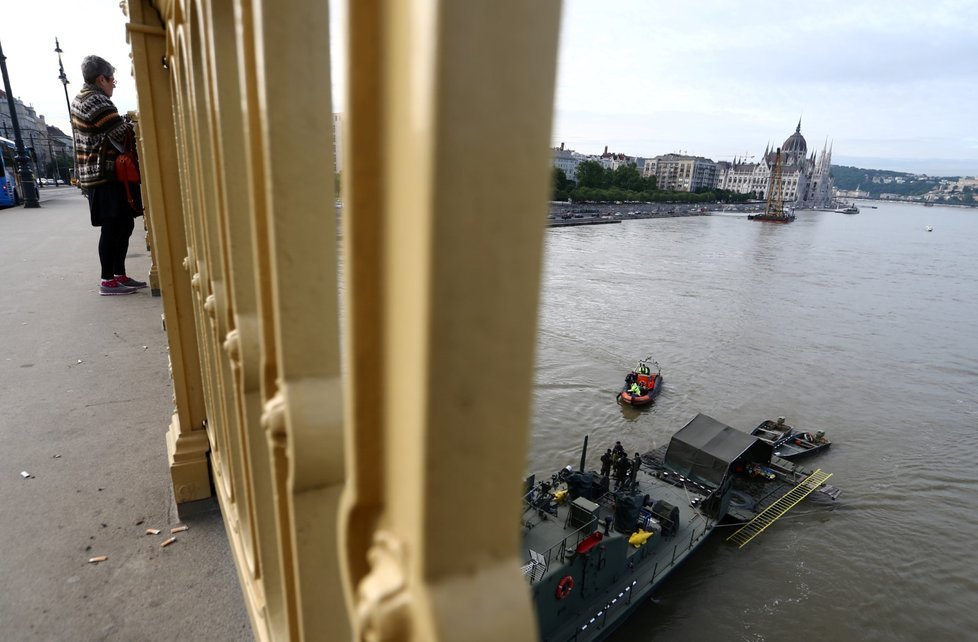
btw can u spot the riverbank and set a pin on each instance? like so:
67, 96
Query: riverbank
569, 214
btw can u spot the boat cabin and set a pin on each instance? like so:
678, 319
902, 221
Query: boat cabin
645, 380
707, 452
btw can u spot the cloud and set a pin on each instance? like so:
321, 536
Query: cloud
717, 78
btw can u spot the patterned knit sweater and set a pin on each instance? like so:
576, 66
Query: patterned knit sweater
99, 136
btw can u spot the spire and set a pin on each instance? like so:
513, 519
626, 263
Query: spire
798, 128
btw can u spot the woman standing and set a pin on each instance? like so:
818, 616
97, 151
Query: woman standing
100, 136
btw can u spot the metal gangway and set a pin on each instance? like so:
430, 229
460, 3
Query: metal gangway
786, 502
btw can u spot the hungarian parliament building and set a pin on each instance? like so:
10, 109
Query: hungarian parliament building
806, 179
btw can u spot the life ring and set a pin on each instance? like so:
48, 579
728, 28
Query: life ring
742, 500
564, 587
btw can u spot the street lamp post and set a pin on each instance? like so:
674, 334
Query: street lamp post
54, 159
23, 161
32, 153
64, 82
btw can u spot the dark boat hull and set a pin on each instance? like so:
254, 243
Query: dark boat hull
796, 447
771, 219
772, 432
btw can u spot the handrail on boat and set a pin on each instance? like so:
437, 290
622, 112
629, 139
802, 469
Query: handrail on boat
562, 546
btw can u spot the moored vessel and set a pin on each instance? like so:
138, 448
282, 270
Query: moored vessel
773, 432
597, 544
802, 444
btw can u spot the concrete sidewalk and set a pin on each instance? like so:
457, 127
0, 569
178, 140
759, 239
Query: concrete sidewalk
85, 401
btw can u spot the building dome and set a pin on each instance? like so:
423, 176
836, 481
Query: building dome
795, 144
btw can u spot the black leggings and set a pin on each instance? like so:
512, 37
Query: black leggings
113, 245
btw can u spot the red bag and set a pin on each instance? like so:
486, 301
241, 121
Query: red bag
127, 167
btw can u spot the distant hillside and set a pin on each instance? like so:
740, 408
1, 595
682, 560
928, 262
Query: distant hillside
881, 181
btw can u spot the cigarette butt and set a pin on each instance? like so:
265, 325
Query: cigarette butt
152, 531
100, 558
179, 529
167, 542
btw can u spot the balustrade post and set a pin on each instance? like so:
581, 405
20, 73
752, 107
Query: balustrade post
186, 439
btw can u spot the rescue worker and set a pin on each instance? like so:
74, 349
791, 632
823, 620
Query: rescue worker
634, 389
643, 369
636, 464
606, 463
621, 471
618, 452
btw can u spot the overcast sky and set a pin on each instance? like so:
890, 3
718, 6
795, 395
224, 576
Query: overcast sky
27, 32
891, 84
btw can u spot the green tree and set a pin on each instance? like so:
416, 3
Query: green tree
627, 177
593, 174
561, 185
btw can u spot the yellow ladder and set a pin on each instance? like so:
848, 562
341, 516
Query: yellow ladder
785, 503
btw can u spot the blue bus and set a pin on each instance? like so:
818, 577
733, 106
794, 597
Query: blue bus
10, 190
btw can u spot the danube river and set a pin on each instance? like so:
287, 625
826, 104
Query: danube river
863, 326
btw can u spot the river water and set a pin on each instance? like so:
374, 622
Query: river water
862, 326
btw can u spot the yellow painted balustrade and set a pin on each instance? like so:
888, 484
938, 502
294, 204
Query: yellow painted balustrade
367, 453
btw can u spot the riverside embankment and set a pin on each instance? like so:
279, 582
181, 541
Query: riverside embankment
564, 214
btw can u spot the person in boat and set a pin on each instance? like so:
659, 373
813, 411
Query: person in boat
617, 454
630, 378
622, 469
635, 389
636, 463
643, 369
606, 463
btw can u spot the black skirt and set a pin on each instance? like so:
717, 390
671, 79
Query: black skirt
109, 201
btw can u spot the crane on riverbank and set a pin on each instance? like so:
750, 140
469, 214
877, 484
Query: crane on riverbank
774, 208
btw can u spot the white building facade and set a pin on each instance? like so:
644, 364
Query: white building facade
568, 160
806, 181
680, 173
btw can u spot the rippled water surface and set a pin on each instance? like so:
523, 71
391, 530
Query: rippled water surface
863, 326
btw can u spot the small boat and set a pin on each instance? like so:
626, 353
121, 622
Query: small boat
648, 378
929, 228
773, 432
848, 209
802, 444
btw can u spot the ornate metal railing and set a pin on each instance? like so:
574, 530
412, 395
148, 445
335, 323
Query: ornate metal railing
336, 457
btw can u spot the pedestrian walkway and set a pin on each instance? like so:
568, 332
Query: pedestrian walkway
85, 401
